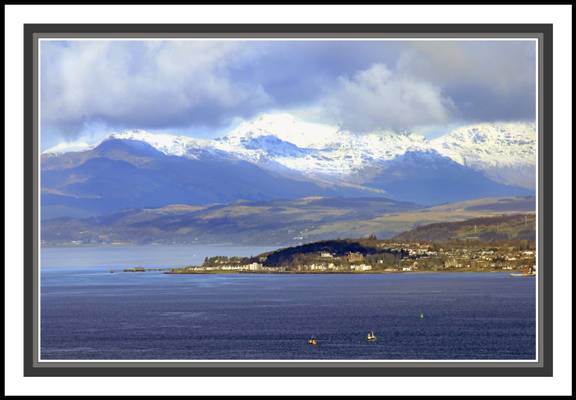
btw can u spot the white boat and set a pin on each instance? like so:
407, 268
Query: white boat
527, 272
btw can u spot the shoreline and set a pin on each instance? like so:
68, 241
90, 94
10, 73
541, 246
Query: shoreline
165, 272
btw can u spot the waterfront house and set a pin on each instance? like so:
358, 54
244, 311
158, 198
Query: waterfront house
361, 267
254, 266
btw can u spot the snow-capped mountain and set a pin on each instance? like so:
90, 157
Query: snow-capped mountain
287, 128
68, 147
506, 152
503, 151
172, 145
490, 145
313, 149
124, 173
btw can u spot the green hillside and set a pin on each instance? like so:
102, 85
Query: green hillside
505, 227
270, 222
280, 222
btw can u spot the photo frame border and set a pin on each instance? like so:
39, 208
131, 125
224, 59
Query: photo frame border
543, 367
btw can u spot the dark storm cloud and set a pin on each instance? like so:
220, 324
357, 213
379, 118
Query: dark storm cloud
486, 80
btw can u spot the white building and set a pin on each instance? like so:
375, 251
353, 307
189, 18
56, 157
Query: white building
254, 266
361, 267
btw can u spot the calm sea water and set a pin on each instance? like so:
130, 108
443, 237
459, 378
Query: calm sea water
89, 313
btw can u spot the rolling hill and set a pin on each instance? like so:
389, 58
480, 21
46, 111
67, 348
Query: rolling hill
487, 229
277, 222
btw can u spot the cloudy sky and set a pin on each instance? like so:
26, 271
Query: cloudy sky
202, 88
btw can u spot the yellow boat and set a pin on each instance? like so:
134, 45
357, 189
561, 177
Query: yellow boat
371, 336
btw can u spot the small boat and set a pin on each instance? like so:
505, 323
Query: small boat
523, 274
526, 272
421, 315
371, 336
313, 341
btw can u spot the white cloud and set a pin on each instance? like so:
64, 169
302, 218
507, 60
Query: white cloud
377, 99
148, 84
203, 86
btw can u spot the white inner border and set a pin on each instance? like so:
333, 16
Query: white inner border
40, 40
559, 384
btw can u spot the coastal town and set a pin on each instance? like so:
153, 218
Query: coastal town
374, 256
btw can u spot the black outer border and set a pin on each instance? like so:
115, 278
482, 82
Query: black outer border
545, 190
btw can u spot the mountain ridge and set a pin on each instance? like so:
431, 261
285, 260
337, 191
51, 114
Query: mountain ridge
324, 150
278, 157
120, 174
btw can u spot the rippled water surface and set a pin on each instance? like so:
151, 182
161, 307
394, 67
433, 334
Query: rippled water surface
89, 313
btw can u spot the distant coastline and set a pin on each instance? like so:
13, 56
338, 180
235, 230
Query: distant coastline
373, 256
168, 271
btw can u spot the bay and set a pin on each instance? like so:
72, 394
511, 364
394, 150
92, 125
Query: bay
89, 313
